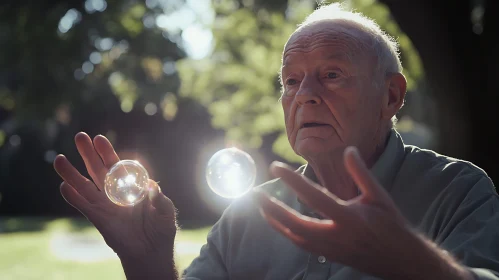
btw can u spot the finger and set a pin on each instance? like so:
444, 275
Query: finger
93, 162
84, 186
298, 240
364, 179
300, 225
68, 173
310, 245
74, 198
153, 190
151, 193
106, 151
313, 195
159, 201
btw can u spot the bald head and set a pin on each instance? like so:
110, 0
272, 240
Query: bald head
367, 40
335, 32
329, 27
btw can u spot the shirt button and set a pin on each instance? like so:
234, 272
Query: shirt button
321, 259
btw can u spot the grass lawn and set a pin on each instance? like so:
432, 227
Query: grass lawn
60, 249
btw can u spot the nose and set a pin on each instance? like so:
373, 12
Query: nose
308, 92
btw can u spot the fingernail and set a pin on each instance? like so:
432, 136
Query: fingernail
350, 149
353, 151
59, 156
153, 190
278, 164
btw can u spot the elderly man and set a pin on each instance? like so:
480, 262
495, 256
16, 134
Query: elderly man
364, 207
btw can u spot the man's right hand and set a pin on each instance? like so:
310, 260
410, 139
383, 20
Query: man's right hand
135, 233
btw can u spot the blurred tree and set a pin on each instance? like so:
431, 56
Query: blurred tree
100, 66
239, 84
68, 53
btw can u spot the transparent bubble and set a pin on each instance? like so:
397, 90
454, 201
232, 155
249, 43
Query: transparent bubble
231, 173
126, 183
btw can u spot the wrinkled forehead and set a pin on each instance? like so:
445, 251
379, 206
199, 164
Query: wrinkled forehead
328, 32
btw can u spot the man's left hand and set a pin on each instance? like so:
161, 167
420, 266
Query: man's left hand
367, 233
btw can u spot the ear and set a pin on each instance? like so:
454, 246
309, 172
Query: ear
394, 95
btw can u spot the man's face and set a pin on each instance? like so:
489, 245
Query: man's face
330, 100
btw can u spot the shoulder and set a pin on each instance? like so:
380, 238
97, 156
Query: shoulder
431, 162
428, 183
444, 173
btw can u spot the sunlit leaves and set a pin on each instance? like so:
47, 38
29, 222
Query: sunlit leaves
124, 89
225, 7
6, 100
269, 122
169, 106
2, 137
238, 82
132, 19
152, 67
281, 147
66, 55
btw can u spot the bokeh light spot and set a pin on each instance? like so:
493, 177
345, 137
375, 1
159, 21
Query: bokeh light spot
151, 109
95, 57
87, 67
15, 140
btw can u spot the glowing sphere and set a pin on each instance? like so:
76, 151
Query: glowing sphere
231, 173
126, 183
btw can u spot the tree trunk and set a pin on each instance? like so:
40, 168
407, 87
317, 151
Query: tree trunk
460, 61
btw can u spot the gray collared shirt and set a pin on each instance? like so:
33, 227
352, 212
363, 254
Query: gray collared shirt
453, 202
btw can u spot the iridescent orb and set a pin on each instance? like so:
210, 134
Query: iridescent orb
126, 183
231, 173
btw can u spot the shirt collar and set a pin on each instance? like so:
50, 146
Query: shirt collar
388, 164
386, 167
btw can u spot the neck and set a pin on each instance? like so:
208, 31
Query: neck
332, 174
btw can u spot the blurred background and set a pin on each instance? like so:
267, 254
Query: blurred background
170, 82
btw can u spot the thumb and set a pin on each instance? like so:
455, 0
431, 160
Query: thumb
153, 190
159, 201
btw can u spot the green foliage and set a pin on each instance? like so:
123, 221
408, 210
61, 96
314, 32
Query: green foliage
63, 54
239, 84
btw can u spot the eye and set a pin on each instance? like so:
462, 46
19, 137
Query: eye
291, 82
332, 75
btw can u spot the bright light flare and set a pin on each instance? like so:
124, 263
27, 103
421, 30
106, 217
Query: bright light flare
231, 173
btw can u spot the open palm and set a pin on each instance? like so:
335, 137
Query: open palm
146, 227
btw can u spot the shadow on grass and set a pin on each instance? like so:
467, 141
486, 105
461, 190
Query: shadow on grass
68, 224
23, 224
34, 224
78, 224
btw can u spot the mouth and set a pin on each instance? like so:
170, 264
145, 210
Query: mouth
313, 124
